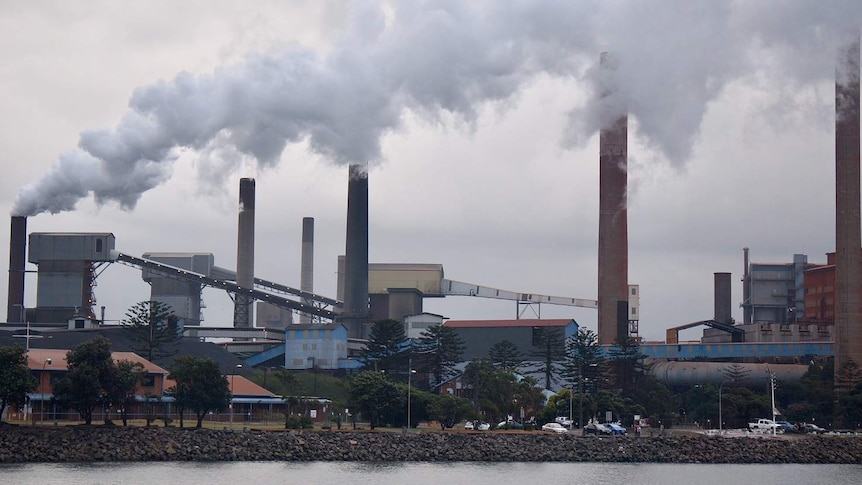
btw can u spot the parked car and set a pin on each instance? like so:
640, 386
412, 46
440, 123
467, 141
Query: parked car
596, 428
512, 424
787, 427
616, 428
812, 428
469, 425
555, 427
565, 421
483, 426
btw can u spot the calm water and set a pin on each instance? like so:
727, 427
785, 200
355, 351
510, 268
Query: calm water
262, 473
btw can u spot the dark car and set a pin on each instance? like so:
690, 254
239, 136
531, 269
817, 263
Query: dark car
510, 425
597, 429
812, 428
787, 427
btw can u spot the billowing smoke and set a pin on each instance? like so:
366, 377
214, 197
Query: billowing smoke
450, 57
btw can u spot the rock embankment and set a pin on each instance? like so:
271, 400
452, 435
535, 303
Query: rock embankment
20, 444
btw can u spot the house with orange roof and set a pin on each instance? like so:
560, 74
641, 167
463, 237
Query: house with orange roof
50, 365
250, 402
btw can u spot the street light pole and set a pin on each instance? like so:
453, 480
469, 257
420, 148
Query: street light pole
409, 375
42, 401
772, 393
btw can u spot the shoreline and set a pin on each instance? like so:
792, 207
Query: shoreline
22, 444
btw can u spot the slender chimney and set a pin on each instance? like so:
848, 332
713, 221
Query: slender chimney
746, 289
245, 254
306, 277
356, 251
722, 288
848, 241
17, 261
613, 225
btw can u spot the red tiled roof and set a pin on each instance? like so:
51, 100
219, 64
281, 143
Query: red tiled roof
507, 323
37, 358
238, 385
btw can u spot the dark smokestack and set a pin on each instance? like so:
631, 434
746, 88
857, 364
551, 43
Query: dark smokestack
723, 305
613, 223
306, 276
17, 262
746, 289
848, 260
244, 253
356, 251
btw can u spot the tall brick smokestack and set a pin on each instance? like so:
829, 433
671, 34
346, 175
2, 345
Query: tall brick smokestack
848, 237
242, 317
356, 252
613, 226
17, 262
306, 270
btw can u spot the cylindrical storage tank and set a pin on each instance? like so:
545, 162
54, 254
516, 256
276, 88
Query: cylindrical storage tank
306, 277
688, 374
722, 298
17, 265
242, 317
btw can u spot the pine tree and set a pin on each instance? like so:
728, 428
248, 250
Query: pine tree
151, 328
505, 355
549, 351
438, 352
387, 348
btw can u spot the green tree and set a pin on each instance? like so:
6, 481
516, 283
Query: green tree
15, 378
549, 351
627, 364
200, 387
386, 349
120, 391
505, 355
491, 390
448, 410
583, 358
92, 372
152, 330
847, 382
374, 395
441, 351
528, 396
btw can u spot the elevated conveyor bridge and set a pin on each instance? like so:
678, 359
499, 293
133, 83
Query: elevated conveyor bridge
459, 288
264, 291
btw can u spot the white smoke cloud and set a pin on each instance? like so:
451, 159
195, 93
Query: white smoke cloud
442, 60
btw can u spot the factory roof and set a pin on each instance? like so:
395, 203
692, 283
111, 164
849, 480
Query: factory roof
508, 323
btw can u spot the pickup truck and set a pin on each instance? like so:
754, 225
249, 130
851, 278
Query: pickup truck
765, 425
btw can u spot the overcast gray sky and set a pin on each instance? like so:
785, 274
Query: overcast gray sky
479, 121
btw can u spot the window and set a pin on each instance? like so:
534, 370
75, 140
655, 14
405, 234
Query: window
148, 380
98, 245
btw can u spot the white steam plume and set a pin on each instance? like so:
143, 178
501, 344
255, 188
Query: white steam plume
451, 56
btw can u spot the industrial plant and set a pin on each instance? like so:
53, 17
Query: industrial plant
794, 312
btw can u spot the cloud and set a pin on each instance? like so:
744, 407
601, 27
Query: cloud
442, 61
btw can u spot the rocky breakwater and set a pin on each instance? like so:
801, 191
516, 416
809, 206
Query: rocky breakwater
21, 444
